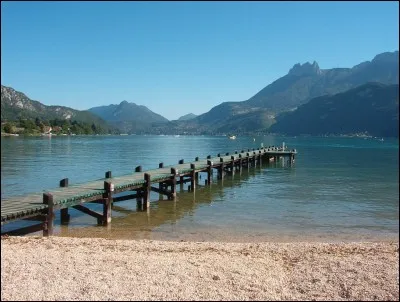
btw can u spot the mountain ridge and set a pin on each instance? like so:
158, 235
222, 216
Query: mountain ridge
376, 106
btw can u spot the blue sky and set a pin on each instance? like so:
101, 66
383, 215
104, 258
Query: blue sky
180, 57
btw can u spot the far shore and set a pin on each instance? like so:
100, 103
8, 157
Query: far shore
64, 268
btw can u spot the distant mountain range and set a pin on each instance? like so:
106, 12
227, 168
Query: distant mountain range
15, 105
129, 117
186, 117
372, 109
305, 101
301, 84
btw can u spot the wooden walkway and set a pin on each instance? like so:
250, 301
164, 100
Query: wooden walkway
41, 206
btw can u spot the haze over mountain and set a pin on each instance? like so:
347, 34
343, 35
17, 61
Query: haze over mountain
186, 117
128, 117
372, 109
302, 83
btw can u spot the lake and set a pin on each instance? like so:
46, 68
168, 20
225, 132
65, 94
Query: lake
339, 188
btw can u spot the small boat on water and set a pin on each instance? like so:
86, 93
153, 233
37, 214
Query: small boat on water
232, 136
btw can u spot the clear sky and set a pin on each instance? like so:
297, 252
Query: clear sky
180, 57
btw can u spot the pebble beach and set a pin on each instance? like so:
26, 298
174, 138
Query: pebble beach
63, 268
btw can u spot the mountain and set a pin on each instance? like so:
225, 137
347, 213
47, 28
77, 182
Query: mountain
372, 108
186, 117
129, 117
16, 105
302, 83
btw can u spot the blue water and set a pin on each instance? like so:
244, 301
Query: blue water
338, 188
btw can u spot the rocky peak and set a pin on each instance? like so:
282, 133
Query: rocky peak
387, 57
305, 69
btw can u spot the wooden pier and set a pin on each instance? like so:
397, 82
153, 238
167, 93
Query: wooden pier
41, 207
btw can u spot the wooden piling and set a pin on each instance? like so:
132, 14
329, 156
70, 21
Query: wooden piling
138, 169
174, 172
147, 189
107, 201
48, 225
161, 165
64, 216
209, 171
233, 165
193, 177
221, 168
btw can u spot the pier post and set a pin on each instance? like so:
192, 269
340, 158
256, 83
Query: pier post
160, 184
221, 168
248, 160
138, 169
174, 172
209, 171
107, 201
233, 165
48, 225
181, 180
193, 177
109, 175
64, 216
196, 159
147, 189
240, 163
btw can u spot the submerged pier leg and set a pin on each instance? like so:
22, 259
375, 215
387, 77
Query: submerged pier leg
209, 171
233, 165
48, 225
107, 201
221, 168
193, 177
64, 212
147, 190
174, 172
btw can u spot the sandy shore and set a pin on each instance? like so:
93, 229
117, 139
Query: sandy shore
59, 268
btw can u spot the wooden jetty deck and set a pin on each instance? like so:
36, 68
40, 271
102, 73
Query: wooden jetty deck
42, 206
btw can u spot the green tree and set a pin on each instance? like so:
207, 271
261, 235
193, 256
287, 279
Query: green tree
9, 127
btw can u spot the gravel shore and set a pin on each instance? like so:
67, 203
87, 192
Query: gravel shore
62, 268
